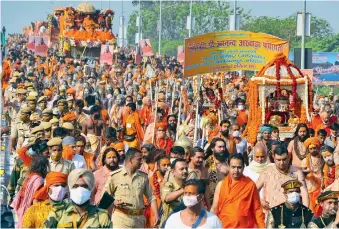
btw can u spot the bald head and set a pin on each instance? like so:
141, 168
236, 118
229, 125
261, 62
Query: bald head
259, 154
325, 117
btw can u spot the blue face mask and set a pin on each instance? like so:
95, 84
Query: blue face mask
31, 152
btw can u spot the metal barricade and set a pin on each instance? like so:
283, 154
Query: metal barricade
5, 160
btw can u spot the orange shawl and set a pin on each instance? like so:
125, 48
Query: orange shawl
239, 204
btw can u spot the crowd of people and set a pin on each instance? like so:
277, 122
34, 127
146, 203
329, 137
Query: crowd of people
137, 145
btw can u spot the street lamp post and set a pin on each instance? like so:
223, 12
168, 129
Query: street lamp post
160, 25
139, 24
190, 30
302, 63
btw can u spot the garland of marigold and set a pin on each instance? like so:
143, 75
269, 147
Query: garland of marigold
328, 176
156, 185
277, 72
294, 86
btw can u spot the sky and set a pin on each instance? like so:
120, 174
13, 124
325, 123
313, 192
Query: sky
17, 14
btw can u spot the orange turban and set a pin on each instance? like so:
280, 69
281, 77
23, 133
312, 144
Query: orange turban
70, 91
69, 117
47, 92
142, 91
119, 146
51, 178
67, 153
161, 125
313, 141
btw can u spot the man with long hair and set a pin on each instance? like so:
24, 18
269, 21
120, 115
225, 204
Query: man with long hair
296, 146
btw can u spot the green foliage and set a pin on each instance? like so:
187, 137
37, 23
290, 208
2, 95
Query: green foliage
168, 48
211, 16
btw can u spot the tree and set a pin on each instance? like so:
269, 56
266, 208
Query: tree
209, 16
286, 28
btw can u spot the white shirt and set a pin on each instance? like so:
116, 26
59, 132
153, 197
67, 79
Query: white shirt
174, 221
79, 162
242, 146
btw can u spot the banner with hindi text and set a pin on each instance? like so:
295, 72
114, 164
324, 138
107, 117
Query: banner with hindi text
230, 51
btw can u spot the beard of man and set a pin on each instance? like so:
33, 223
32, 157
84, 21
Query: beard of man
302, 138
112, 166
225, 133
172, 126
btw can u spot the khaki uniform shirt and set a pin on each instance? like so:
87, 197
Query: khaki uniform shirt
14, 110
21, 131
129, 189
10, 94
62, 217
63, 166
169, 187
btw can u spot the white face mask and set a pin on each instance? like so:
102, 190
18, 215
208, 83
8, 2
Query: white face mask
293, 197
80, 195
58, 193
190, 201
172, 159
241, 107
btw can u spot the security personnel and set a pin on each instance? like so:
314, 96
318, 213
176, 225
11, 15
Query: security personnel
38, 132
172, 191
79, 213
47, 129
57, 163
328, 201
47, 115
10, 91
42, 102
291, 213
31, 102
17, 104
128, 186
20, 131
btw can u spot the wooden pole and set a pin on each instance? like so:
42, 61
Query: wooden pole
196, 128
173, 94
179, 115
166, 90
155, 112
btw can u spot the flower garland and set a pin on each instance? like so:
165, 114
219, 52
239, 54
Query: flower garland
277, 73
329, 177
156, 185
294, 86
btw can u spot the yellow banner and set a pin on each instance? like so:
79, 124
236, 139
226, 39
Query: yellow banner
231, 50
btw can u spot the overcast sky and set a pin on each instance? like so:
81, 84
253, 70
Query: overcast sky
16, 14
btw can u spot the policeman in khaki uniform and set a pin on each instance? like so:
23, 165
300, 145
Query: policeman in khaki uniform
47, 115
42, 102
172, 191
31, 103
79, 213
328, 200
20, 131
291, 213
10, 91
17, 104
128, 186
57, 163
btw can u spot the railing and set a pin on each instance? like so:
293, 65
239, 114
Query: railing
5, 160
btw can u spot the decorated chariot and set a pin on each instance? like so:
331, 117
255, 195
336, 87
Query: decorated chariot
280, 95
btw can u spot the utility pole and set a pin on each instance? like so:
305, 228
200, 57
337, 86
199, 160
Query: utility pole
122, 24
235, 14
